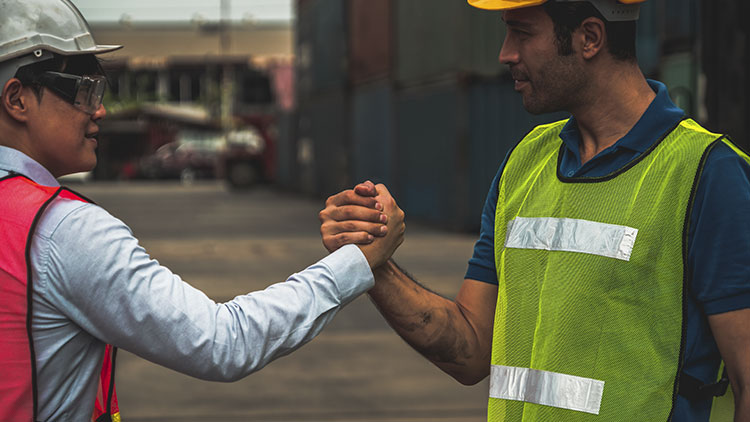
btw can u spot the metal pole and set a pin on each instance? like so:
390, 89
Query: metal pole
224, 23
227, 71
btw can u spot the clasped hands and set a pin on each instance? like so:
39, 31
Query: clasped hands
366, 216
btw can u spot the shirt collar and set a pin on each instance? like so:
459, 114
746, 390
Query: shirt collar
660, 116
14, 161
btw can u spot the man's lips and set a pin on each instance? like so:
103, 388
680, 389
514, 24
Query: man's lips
520, 83
520, 79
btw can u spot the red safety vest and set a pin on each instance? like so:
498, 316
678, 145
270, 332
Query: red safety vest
22, 203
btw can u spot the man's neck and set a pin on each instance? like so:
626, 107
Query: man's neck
615, 104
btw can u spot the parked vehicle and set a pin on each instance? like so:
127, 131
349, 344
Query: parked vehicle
249, 155
242, 157
194, 155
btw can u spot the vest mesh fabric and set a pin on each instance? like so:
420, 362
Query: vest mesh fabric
18, 210
23, 202
593, 316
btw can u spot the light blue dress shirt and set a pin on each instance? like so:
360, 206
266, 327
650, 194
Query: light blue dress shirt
94, 284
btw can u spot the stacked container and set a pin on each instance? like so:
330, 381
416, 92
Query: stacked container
410, 93
322, 96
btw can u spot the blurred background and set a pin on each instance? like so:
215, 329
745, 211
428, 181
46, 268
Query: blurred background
230, 121
316, 95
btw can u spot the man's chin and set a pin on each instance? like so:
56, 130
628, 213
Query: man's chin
533, 109
536, 108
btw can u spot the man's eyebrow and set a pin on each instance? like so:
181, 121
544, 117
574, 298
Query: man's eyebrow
518, 24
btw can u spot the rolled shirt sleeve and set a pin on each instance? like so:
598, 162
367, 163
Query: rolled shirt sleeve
94, 271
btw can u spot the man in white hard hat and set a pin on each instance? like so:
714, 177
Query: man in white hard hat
74, 279
611, 276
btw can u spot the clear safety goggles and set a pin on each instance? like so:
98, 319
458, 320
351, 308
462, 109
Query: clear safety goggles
84, 92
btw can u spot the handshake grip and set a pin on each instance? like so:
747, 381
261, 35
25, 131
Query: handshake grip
366, 216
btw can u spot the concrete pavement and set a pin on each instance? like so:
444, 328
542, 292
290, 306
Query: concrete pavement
227, 244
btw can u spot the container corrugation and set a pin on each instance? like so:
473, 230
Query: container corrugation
431, 153
679, 74
323, 143
648, 41
680, 21
286, 150
497, 122
435, 38
321, 47
370, 32
303, 66
452, 137
373, 133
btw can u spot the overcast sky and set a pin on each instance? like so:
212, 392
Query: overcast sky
183, 10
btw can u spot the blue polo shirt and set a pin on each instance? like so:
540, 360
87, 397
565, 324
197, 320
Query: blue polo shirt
718, 237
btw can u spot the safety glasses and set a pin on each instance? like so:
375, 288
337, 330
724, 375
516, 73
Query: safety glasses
84, 92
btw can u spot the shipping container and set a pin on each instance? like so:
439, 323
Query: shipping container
321, 47
287, 171
431, 158
373, 133
725, 59
497, 122
437, 38
370, 39
648, 41
451, 139
323, 146
680, 25
303, 50
679, 73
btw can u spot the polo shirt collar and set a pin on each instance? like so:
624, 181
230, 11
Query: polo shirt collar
660, 116
14, 161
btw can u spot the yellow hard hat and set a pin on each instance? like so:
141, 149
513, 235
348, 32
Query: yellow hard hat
612, 10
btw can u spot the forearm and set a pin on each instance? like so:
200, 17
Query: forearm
115, 292
741, 403
262, 326
732, 333
434, 326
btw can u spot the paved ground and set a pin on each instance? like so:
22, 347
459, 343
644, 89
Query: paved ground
227, 244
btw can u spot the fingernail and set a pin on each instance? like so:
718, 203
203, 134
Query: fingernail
383, 229
378, 206
370, 238
383, 218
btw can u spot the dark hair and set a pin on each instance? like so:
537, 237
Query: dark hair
567, 17
83, 64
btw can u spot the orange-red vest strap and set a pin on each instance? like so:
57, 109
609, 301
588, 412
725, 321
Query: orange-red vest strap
22, 203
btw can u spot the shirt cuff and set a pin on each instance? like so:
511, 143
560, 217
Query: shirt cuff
480, 273
727, 304
351, 272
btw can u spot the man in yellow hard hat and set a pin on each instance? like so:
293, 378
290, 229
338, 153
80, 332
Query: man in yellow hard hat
611, 276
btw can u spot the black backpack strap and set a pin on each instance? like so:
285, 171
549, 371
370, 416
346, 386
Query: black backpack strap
694, 389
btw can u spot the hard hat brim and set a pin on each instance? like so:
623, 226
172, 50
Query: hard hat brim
505, 4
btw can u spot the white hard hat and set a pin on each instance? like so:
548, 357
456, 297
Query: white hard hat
30, 30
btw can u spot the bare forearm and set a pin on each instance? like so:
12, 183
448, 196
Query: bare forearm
434, 326
741, 404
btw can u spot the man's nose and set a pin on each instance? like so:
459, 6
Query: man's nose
100, 113
508, 53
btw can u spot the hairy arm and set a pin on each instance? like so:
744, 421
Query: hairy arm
732, 333
456, 336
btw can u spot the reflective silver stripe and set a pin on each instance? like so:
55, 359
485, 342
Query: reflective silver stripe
567, 234
547, 388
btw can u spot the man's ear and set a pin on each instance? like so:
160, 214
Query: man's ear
15, 100
593, 37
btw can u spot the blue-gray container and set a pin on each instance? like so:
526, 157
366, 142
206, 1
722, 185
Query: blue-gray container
373, 133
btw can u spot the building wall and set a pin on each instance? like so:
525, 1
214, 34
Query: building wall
153, 42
